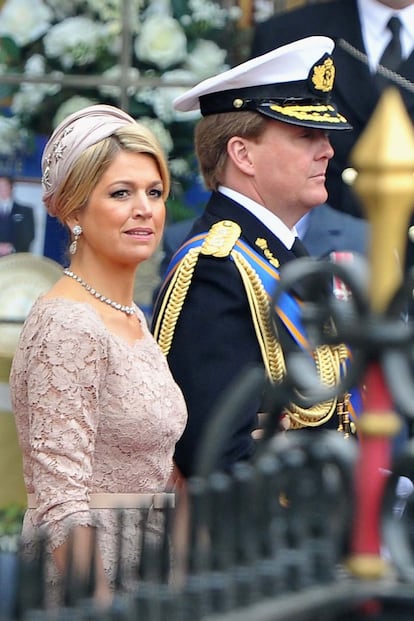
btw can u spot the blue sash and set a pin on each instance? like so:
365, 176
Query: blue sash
288, 307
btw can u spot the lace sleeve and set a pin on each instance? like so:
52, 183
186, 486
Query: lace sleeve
66, 360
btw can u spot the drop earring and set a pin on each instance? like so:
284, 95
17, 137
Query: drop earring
77, 232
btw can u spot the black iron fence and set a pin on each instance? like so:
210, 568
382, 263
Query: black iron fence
267, 542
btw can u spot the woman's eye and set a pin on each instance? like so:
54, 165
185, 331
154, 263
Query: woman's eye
119, 194
157, 192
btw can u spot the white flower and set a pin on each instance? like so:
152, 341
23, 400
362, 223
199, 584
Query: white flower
179, 167
71, 105
24, 20
161, 99
63, 8
207, 12
263, 9
35, 65
163, 103
114, 73
160, 131
28, 99
75, 41
12, 137
111, 10
164, 98
180, 77
206, 59
158, 7
101, 10
162, 42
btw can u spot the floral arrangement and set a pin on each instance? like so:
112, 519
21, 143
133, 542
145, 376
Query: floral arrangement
175, 44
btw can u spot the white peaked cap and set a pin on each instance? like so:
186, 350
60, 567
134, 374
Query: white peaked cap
292, 83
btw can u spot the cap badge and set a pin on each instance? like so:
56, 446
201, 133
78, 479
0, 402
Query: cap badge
323, 75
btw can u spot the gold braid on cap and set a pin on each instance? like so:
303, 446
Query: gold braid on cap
329, 360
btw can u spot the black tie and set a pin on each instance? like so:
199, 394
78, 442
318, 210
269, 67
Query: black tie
299, 249
392, 55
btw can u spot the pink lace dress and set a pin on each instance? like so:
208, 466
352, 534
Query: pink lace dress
94, 414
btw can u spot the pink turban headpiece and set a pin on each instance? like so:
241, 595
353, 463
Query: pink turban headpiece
71, 137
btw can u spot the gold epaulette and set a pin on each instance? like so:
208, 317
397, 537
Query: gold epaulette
221, 238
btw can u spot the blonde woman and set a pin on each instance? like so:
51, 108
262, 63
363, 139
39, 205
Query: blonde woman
97, 410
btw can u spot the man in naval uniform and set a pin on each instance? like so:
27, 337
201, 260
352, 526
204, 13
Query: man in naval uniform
263, 149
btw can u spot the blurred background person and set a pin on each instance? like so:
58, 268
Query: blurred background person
17, 224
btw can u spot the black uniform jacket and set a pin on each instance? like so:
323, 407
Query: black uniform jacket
214, 339
355, 90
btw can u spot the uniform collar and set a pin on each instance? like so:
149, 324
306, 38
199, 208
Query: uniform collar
266, 217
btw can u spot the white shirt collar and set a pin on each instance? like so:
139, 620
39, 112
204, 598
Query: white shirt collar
6, 205
266, 217
374, 17
302, 225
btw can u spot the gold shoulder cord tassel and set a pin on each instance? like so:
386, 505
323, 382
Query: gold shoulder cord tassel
328, 359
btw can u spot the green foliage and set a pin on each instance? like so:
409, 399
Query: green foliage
177, 210
11, 518
9, 52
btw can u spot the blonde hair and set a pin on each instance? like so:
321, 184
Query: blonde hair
74, 192
212, 134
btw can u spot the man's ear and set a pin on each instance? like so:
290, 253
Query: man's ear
238, 152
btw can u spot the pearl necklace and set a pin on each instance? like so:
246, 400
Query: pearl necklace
129, 310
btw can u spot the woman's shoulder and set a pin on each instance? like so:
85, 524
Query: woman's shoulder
61, 305
63, 313
59, 329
